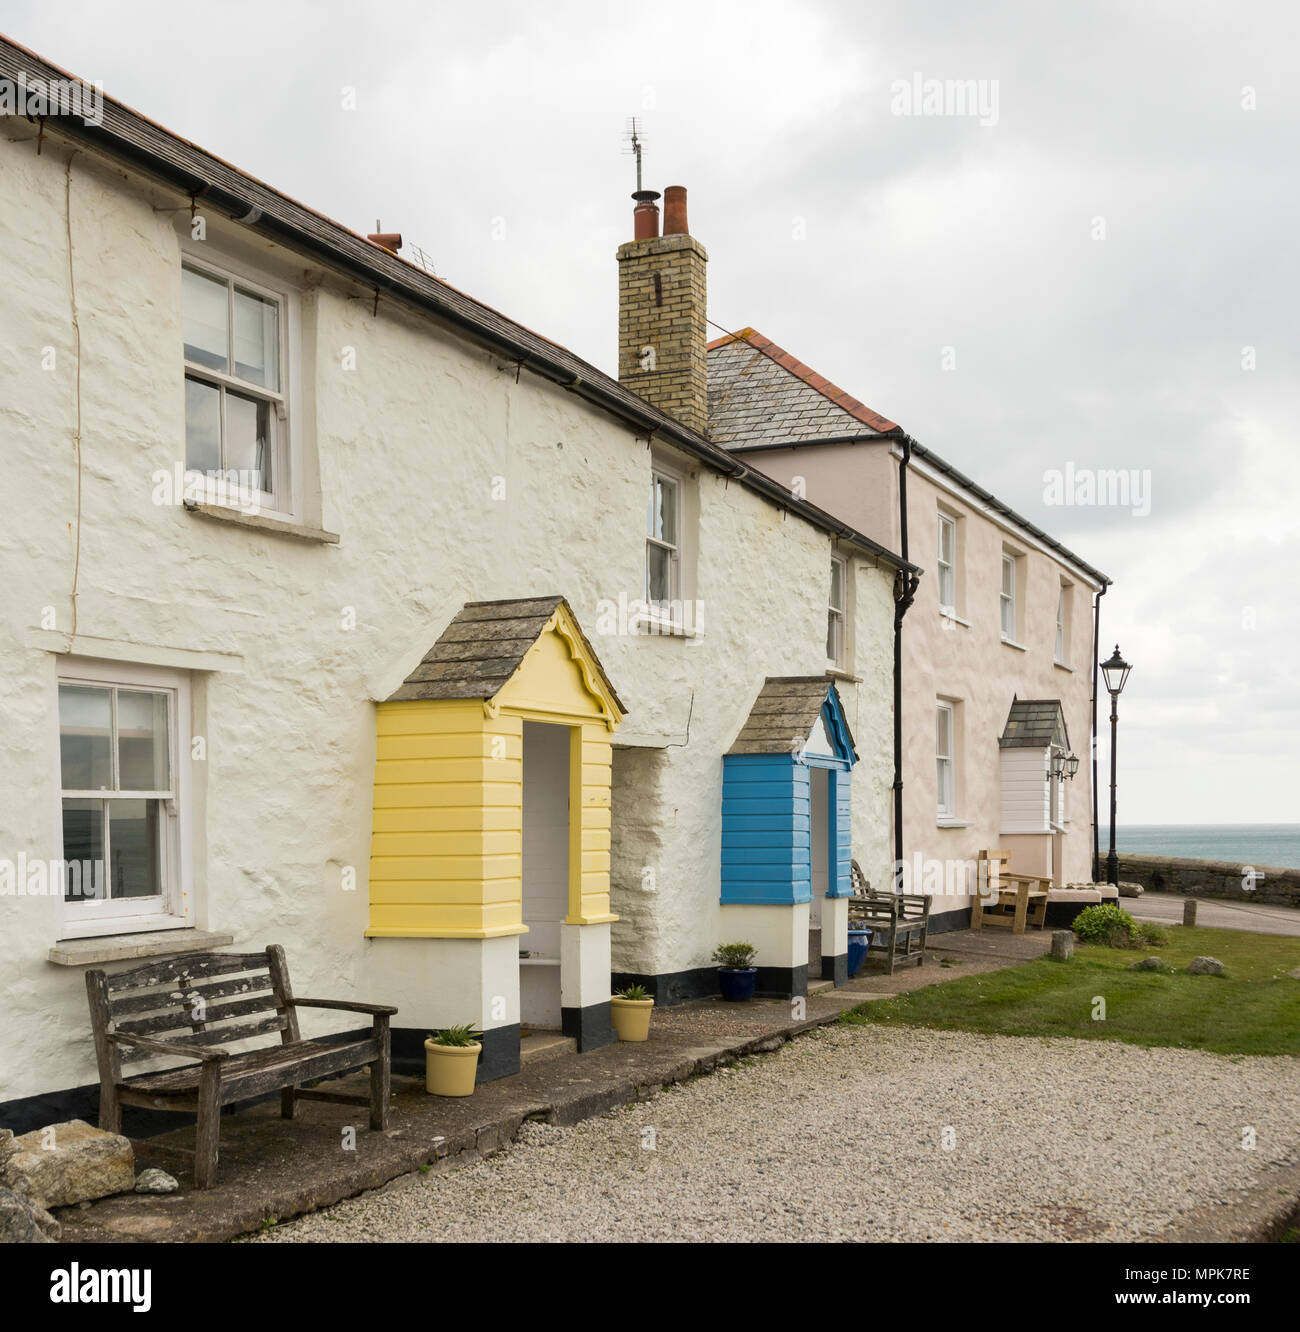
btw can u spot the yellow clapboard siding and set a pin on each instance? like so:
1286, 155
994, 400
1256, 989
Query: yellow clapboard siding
593, 861
401, 771
480, 745
457, 842
448, 818
434, 795
596, 818
442, 716
441, 922
451, 892
434, 868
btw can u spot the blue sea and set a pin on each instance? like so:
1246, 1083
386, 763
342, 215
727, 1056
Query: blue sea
1246, 843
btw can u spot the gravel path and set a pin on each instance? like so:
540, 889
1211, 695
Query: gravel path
840, 1135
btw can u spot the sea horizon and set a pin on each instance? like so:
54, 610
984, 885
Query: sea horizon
1276, 844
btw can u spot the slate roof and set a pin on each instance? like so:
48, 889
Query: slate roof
762, 397
787, 708
1035, 723
482, 648
760, 394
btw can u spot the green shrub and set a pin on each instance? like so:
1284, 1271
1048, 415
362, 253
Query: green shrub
1112, 926
734, 956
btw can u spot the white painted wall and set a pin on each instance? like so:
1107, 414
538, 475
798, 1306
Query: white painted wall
403, 457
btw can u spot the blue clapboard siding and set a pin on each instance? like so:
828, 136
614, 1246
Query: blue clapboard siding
766, 822
841, 884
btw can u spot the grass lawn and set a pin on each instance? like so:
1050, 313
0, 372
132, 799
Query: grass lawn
1254, 1009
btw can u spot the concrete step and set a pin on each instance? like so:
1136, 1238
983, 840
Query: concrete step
820, 986
539, 1045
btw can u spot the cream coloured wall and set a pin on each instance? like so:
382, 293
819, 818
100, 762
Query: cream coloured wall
447, 478
964, 659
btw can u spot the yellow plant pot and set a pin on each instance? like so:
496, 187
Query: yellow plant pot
450, 1070
631, 1018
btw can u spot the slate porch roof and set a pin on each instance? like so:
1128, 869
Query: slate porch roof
482, 648
1035, 723
787, 707
760, 394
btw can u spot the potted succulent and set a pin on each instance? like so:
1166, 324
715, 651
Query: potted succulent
736, 973
451, 1061
630, 1012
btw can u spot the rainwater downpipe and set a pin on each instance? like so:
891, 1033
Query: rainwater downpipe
904, 595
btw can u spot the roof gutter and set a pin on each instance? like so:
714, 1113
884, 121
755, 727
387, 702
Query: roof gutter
125, 135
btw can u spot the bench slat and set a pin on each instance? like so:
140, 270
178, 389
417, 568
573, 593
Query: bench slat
212, 1036
179, 970
179, 1015
163, 996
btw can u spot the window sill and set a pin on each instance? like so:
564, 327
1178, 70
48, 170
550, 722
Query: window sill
942, 822
124, 947
946, 613
838, 673
261, 523
1011, 643
651, 626
1061, 666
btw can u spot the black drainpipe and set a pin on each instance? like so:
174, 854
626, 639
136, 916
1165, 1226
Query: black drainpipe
1096, 629
904, 594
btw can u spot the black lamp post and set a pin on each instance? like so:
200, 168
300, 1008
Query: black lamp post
1115, 672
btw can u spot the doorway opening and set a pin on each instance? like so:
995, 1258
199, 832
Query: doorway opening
545, 847
821, 832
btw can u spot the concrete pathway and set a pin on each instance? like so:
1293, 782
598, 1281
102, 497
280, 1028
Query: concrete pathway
1257, 917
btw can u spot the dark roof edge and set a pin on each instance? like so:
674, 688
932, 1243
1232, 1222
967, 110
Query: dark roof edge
985, 496
133, 138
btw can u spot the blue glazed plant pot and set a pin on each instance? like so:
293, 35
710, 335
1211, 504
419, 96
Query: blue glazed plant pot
737, 986
859, 942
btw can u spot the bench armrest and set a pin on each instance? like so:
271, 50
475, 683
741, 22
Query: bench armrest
175, 1048
347, 1005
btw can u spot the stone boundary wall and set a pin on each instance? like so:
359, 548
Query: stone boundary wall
1213, 878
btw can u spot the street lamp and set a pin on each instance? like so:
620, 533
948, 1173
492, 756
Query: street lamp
1115, 673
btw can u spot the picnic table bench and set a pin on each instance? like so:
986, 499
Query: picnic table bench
183, 1006
1008, 898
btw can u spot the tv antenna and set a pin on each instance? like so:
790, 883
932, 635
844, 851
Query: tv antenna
636, 141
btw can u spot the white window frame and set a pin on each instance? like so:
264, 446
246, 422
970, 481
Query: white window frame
285, 499
663, 475
1062, 650
1007, 600
946, 762
837, 617
174, 910
947, 568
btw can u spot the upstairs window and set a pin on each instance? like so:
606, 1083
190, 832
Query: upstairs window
663, 555
236, 408
1008, 597
1063, 624
836, 615
945, 760
947, 561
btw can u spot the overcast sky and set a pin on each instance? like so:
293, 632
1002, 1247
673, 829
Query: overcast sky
1098, 265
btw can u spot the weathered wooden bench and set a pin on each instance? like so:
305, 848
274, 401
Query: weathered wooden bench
190, 1007
899, 922
1007, 898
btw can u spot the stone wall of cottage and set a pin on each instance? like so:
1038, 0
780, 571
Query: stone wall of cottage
448, 477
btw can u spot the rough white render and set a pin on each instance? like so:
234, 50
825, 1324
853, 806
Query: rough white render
405, 448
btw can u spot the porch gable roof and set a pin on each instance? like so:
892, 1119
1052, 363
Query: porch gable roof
1035, 723
787, 709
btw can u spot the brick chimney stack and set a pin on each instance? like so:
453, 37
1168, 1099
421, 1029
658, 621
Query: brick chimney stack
662, 332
